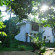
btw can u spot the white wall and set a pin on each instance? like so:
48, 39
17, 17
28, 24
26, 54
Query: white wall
27, 28
48, 34
21, 35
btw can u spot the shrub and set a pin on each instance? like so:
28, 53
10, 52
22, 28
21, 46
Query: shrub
22, 47
42, 49
54, 44
6, 42
37, 42
0, 45
14, 43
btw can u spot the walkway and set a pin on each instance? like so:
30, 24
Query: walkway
17, 53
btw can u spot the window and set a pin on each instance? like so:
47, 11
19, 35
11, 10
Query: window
35, 27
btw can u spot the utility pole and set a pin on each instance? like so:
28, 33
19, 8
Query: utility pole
9, 19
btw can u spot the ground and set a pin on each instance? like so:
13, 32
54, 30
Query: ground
48, 52
20, 48
17, 53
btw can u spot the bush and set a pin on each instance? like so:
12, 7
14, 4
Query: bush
22, 47
14, 43
37, 43
0, 45
5, 41
54, 44
42, 49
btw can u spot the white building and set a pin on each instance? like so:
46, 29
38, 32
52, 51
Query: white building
31, 28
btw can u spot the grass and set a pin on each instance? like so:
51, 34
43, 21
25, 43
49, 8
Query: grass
17, 46
25, 47
9, 49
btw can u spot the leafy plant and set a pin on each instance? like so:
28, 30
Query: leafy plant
37, 42
51, 53
54, 43
22, 47
42, 49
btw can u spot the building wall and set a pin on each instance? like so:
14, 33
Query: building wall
48, 34
27, 28
21, 35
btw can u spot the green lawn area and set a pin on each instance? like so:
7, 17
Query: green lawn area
17, 46
21, 46
25, 48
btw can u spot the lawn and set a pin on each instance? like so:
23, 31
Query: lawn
16, 46
22, 46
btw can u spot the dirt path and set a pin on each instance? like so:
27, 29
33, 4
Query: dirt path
48, 52
17, 53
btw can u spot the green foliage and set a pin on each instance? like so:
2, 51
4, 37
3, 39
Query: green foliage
11, 28
13, 43
51, 53
47, 25
37, 42
2, 25
42, 49
21, 8
5, 2
3, 34
47, 17
50, 45
54, 43
22, 47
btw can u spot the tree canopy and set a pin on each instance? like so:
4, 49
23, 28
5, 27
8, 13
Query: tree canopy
24, 7
21, 8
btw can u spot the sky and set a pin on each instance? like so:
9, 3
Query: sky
5, 15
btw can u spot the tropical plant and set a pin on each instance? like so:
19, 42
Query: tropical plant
2, 26
38, 42
22, 47
14, 29
42, 49
2, 33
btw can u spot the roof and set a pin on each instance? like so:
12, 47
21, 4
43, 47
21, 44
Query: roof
20, 23
24, 22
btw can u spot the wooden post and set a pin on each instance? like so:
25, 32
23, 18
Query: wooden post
26, 37
30, 36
